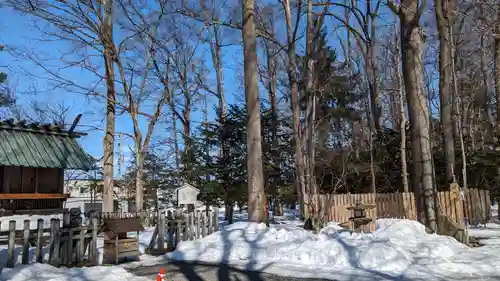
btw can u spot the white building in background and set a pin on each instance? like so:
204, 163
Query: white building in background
187, 196
86, 195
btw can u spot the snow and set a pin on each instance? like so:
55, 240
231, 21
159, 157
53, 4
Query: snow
397, 250
46, 272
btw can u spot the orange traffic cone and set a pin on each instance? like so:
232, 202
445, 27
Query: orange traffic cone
161, 275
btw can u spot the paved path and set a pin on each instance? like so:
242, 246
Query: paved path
182, 271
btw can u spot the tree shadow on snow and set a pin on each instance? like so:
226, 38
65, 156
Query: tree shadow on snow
425, 271
251, 270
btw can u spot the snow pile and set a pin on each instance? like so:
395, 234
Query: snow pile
397, 248
46, 272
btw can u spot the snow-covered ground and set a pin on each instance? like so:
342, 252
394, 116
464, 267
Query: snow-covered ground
46, 272
397, 250
488, 234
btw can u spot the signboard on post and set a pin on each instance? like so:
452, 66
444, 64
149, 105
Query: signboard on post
187, 194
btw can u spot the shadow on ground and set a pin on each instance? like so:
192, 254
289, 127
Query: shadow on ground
197, 271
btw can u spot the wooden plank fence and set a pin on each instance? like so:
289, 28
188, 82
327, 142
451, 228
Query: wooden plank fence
175, 227
69, 245
66, 245
402, 205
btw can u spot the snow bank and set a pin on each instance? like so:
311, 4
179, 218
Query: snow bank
46, 272
397, 248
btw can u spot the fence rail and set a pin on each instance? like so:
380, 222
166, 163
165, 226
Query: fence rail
402, 205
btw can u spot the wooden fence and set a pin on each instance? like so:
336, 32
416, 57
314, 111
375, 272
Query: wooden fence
66, 245
175, 227
70, 245
402, 205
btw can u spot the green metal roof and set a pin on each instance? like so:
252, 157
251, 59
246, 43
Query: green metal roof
45, 146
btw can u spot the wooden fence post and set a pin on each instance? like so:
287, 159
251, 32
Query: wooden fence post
80, 253
160, 241
170, 241
203, 224
69, 247
26, 242
216, 215
189, 226
39, 236
65, 234
11, 243
54, 242
177, 232
93, 243
197, 225
210, 227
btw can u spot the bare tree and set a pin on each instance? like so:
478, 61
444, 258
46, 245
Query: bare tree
89, 25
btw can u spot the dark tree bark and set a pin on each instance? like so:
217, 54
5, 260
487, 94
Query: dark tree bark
444, 21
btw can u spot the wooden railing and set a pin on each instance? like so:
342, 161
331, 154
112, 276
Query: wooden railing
23, 196
27, 203
182, 227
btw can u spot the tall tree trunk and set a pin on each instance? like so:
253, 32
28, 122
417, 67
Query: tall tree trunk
461, 130
256, 192
497, 87
186, 112
372, 71
139, 187
309, 137
402, 114
443, 18
109, 138
174, 137
484, 109
418, 108
272, 67
294, 92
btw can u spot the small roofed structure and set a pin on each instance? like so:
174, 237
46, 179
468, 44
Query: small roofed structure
119, 227
33, 158
187, 195
117, 245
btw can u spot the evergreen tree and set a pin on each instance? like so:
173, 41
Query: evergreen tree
155, 178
